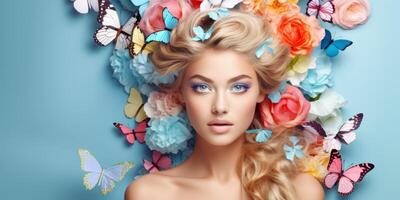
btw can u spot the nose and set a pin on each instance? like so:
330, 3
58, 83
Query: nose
220, 104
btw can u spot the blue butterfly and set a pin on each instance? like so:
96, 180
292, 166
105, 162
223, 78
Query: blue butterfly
331, 46
275, 95
97, 175
142, 4
262, 134
164, 35
264, 46
295, 150
200, 34
219, 13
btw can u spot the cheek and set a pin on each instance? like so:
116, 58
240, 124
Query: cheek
244, 111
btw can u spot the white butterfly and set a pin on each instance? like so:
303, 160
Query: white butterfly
83, 6
110, 29
208, 4
334, 140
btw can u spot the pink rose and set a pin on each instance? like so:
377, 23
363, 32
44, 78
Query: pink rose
290, 111
349, 13
152, 19
162, 104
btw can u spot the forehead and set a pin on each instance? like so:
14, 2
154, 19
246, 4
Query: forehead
220, 65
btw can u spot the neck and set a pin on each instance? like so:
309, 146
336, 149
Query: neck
216, 162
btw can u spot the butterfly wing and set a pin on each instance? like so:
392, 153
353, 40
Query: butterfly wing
169, 20
130, 137
91, 165
326, 11
346, 133
142, 4
149, 166
134, 107
117, 172
140, 131
82, 6
313, 7
326, 41
114, 173
159, 36
110, 24
161, 161
330, 143
314, 127
351, 176
138, 41
334, 169
124, 39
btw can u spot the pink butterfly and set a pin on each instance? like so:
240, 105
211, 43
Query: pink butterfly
159, 162
131, 135
347, 178
333, 140
324, 11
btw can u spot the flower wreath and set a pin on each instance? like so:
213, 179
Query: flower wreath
305, 100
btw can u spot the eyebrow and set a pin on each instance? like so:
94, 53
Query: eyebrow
230, 80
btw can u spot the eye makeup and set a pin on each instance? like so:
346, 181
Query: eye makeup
204, 87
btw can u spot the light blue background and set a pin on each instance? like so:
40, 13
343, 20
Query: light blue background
57, 95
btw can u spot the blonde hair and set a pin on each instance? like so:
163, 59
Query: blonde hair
265, 173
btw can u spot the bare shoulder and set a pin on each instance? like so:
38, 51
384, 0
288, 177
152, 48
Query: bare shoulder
144, 188
308, 187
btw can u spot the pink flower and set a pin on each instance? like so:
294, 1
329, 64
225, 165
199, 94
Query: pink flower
152, 19
290, 111
162, 104
349, 13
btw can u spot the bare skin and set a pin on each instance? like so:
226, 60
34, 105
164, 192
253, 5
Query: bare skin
210, 172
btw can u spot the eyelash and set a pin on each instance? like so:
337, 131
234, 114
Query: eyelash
198, 85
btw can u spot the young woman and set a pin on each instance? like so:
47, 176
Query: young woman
220, 82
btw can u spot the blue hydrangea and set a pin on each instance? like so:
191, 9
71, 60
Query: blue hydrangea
318, 79
168, 134
142, 65
120, 63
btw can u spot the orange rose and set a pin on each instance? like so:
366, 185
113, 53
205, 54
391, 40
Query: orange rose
290, 111
300, 32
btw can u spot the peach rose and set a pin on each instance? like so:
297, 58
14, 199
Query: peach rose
290, 111
300, 32
350, 13
162, 104
152, 19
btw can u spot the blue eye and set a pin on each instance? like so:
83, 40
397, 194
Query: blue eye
199, 87
241, 87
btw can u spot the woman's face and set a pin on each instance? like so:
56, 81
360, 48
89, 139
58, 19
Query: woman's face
220, 85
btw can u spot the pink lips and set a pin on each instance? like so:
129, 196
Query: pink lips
220, 126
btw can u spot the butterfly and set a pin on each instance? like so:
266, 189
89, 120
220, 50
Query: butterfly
138, 44
345, 134
331, 46
275, 95
324, 11
347, 178
142, 4
138, 133
218, 13
110, 29
200, 34
264, 46
158, 162
105, 178
208, 4
170, 23
262, 134
293, 151
134, 107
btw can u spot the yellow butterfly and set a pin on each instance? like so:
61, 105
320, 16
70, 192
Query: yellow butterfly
134, 107
138, 44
